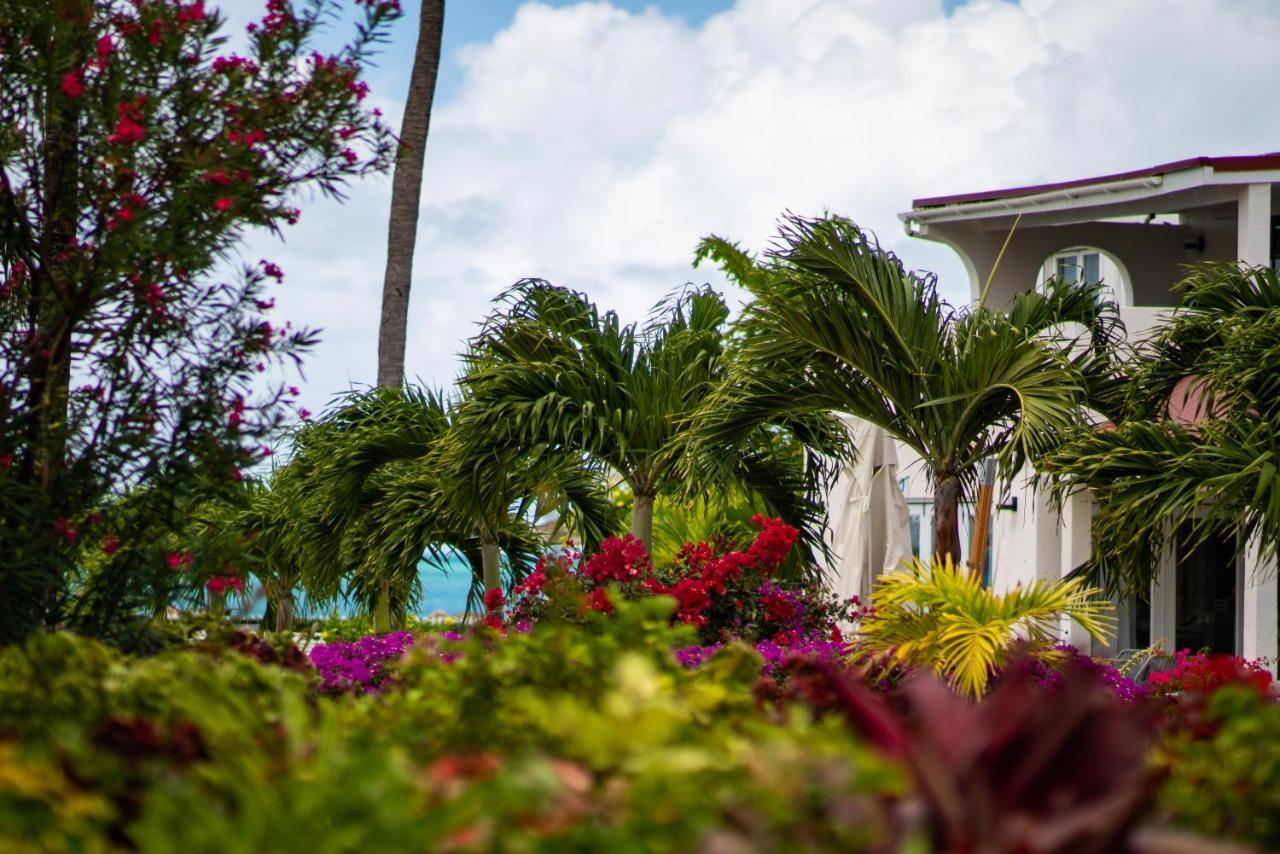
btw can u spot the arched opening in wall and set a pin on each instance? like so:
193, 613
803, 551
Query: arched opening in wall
1089, 264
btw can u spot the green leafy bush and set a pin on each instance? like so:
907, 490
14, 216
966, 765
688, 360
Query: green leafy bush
587, 736
1224, 767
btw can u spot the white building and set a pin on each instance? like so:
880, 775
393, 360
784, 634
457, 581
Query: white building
1133, 231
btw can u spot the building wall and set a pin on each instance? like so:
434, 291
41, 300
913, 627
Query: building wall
1151, 257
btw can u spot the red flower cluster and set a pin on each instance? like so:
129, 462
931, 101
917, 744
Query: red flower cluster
777, 607
234, 62
224, 583
73, 83
620, 560
129, 129
1203, 673
598, 600
494, 602
63, 529
709, 574
702, 578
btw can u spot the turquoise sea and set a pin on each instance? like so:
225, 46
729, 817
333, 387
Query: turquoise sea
442, 590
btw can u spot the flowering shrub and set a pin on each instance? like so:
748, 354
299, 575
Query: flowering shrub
772, 653
1222, 771
1049, 672
1205, 673
726, 592
135, 367
360, 666
481, 743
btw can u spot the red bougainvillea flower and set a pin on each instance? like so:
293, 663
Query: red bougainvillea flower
1204, 673
598, 600
222, 203
73, 84
110, 544
494, 600
534, 581
619, 560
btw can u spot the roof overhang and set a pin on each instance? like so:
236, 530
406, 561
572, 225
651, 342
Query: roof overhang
1170, 186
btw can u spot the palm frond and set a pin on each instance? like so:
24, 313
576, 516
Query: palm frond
942, 618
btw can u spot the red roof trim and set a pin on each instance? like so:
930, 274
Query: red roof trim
1244, 163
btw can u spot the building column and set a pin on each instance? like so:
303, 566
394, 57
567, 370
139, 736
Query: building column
1258, 605
1258, 596
1077, 544
1253, 225
1164, 596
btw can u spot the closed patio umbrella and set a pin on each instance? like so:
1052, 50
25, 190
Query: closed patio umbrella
870, 529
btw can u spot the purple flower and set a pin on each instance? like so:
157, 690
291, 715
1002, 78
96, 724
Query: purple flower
358, 666
693, 656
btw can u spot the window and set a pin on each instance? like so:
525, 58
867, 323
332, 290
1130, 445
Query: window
921, 521
1085, 267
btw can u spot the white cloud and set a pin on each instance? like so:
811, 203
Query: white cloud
594, 147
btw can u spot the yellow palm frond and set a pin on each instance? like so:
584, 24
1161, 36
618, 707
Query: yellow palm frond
942, 618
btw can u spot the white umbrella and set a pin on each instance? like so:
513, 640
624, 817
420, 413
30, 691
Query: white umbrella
870, 527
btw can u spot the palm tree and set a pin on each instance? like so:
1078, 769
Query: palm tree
380, 482
1153, 473
551, 370
943, 618
406, 194
839, 325
247, 528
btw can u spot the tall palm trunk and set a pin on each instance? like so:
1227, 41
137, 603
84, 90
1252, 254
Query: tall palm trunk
382, 610
406, 192
490, 562
946, 516
402, 228
642, 519
284, 611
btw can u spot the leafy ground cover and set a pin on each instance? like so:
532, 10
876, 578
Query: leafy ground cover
593, 734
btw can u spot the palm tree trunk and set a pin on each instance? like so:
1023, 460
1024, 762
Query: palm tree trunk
382, 610
642, 519
490, 561
406, 192
284, 611
946, 516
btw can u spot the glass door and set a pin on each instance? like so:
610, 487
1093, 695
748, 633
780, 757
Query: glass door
1206, 593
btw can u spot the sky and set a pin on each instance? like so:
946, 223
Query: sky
594, 143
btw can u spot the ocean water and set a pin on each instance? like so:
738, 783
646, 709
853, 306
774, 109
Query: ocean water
442, 590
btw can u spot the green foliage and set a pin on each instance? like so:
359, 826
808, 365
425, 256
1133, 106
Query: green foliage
381, 480
1152, 474
336, 628
577, 737
840, 325
551, 369
1224, 785
943, 618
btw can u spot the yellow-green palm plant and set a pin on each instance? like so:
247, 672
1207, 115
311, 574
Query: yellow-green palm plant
942, 618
